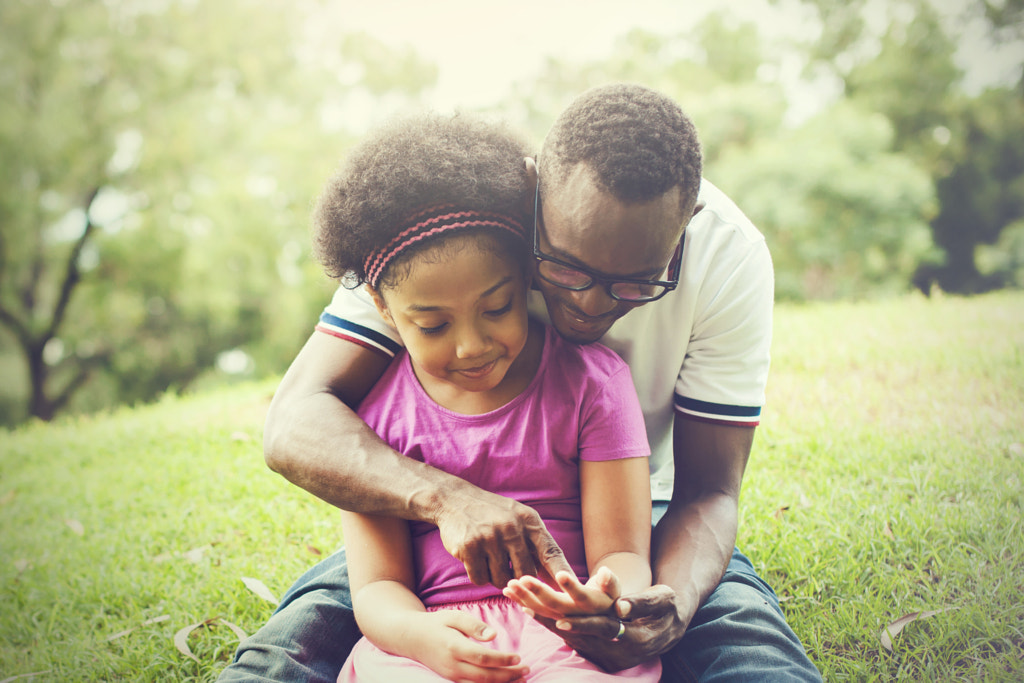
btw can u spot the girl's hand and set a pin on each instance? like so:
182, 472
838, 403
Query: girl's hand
597, 596
448, 643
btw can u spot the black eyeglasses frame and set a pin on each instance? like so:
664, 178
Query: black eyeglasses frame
674, 266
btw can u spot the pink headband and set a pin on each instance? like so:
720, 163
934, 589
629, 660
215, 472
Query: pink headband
433, 221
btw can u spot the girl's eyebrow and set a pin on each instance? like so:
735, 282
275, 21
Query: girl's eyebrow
417, 308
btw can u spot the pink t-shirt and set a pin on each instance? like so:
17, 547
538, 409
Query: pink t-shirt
580, 405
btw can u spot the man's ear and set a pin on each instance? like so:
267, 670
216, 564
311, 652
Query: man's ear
381, 305
528, 277
697, 209
531, 186
531, 172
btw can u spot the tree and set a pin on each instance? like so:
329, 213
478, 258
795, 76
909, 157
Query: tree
912, 80
970, 144
982, 197
158, 169
844, 214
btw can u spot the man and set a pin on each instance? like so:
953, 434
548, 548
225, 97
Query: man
680, 284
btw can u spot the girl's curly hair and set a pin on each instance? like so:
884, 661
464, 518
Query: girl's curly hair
410, 163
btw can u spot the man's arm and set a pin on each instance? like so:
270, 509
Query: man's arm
692, 545
694, 541
315, 440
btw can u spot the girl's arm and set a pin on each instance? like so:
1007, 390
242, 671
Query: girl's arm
616, 503
393, 618
616, 497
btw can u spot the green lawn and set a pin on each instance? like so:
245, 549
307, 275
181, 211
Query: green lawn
886, 479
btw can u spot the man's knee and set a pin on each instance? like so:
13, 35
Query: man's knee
309, 635
328, 577
740, 634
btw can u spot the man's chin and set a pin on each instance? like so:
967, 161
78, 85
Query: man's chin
579, 333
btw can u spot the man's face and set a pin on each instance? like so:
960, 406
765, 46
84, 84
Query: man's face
580, 224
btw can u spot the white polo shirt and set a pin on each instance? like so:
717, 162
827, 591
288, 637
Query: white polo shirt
701, 350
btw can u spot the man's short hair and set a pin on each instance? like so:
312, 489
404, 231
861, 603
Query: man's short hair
638, 143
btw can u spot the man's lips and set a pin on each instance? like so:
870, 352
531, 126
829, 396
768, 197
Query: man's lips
588, 320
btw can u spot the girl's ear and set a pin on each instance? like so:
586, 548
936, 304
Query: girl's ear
381, 305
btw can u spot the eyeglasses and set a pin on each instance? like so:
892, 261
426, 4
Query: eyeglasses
578, 278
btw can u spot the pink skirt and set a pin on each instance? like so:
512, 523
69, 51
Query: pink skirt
547, 655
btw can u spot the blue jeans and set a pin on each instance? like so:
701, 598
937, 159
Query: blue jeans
739, 634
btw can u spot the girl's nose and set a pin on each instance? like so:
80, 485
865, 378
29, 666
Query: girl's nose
471, 343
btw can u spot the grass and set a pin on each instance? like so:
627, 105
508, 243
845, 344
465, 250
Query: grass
886, 479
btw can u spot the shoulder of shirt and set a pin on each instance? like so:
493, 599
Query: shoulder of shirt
721, 218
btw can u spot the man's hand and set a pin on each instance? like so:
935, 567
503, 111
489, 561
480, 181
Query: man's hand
653, 623
497, 538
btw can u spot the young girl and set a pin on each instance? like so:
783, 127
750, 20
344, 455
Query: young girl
427, 215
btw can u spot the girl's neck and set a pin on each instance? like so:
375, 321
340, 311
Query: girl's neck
515, 382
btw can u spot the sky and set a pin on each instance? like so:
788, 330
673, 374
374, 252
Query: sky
481, 47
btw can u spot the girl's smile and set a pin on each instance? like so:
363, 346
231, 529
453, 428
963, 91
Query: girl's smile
479, 371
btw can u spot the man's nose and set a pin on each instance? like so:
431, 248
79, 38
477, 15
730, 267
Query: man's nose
594, 301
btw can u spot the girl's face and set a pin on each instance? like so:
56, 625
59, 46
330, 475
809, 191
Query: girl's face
461, 312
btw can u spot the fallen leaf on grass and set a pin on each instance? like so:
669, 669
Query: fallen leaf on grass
314, 550
21, 565
34, 673
75, 526
181, 637
195, 555
781, 511
147, 622
887, 531
893, 629
260, 589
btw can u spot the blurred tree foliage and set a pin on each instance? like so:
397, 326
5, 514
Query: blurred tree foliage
971, 146
159, 160
981, 187
844, 213
160, 157
905, 178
